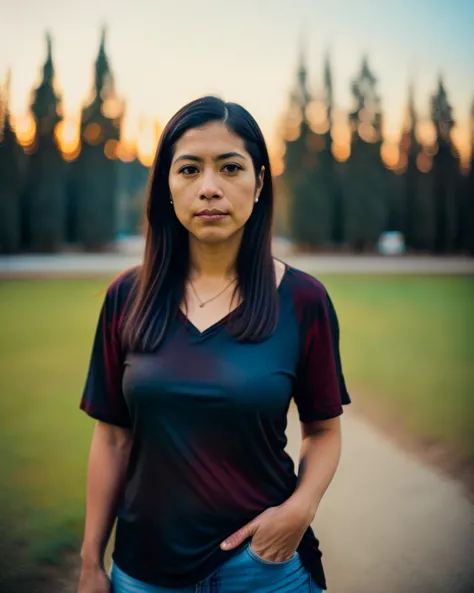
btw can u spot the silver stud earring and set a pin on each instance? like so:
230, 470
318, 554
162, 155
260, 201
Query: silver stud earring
256, 200
171, 201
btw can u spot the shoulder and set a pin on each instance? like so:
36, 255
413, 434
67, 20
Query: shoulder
312, 305
307, 291
121, 288
125, 280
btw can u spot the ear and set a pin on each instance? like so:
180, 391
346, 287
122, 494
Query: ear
259, 185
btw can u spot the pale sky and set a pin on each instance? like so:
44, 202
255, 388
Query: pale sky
166, 52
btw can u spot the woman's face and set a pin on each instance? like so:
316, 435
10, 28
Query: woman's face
212, 183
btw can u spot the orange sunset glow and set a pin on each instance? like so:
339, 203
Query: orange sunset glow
143, 65
141, 143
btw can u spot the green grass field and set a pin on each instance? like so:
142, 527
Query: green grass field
406, 341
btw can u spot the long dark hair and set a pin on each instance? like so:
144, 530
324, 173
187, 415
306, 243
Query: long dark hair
160, 282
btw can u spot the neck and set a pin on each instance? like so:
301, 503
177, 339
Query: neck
214, 260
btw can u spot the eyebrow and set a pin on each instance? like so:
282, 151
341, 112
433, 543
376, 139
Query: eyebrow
198, 159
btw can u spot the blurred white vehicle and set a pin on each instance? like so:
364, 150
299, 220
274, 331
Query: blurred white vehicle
391, 243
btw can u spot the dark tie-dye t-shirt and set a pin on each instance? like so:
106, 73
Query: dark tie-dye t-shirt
208, 416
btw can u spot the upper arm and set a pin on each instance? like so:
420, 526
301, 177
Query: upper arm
309, 429
113, 435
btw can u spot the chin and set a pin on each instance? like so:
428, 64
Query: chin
213, 237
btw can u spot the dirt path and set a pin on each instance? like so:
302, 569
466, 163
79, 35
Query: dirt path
388, 523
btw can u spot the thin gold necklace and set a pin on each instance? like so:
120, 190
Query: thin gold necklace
202, 303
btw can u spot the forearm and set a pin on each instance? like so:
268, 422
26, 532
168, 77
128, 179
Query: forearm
108, 461
319, 459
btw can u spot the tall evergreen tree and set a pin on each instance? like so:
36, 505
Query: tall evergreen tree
410, 147
44, 208
10, 175
95, 173
328, 88
365, 177
445, 173
305, 174
468, 242
296, 160
332, 180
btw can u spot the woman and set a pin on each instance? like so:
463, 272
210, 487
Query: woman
197, 355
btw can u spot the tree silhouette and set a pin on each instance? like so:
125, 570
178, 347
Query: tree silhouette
309, 170
445, 168
410, 149
44, 226
468, 242
368, 108
95, 206
10, 175
365, 178
332, 177
297, 162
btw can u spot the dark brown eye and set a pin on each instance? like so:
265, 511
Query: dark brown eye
231, 168
188, 170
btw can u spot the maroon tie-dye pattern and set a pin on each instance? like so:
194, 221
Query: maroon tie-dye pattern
208, 417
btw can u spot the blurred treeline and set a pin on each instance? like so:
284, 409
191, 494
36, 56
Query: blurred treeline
333, 193
48, 202
346, 195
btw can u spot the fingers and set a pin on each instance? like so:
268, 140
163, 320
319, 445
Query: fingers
240, 536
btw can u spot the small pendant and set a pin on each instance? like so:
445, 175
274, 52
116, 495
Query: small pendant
202, 305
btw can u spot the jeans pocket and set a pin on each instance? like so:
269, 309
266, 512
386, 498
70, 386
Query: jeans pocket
258, 558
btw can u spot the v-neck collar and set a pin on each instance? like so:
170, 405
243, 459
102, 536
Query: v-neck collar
223, 320
208, 330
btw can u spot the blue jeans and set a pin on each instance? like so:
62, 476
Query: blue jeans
245, 572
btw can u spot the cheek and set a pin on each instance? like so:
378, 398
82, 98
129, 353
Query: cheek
244, 211
244, 200
183, 212
178, 184
182, 207
182, 197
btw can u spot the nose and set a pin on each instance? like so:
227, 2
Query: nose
210, 188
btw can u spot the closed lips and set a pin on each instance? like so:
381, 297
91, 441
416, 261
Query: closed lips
212, 212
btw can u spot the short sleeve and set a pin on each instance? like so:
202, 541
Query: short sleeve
320, 388
102, 397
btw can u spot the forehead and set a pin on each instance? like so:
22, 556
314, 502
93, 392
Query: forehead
212, 138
